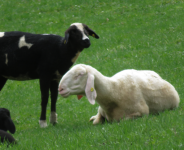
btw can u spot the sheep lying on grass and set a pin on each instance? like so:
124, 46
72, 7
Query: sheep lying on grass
128, 94
6, 124
26, 56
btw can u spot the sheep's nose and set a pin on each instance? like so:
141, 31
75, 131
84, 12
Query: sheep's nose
60, 89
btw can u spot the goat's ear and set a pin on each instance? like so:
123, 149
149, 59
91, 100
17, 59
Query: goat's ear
90, 89
9, 125
91, 32
66, 38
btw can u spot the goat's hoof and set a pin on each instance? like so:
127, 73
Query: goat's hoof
54, 123
53, 118
43, 123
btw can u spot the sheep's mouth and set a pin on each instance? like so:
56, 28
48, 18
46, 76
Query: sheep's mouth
64, 93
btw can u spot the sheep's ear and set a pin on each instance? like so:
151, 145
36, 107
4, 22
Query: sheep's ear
9, 125
91, 32
90, 89
66, 38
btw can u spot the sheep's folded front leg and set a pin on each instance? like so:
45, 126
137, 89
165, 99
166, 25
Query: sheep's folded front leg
98, 118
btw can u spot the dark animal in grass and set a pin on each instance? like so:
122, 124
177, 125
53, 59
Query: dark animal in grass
6, 124
27, 56
6, 137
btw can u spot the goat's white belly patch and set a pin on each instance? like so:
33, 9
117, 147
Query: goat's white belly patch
1, 34
19, 78
22, 42
6, 59
58, 76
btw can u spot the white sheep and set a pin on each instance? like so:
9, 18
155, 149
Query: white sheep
128, 94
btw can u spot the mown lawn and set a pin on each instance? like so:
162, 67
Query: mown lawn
141, 34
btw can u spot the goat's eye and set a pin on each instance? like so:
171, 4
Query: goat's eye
86, 33
74, 31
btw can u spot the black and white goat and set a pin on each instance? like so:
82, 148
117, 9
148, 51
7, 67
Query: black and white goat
26, 56
6, 124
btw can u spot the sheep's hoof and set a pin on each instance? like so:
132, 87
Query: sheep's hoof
95, 120
43, 123
53, 118
92, 118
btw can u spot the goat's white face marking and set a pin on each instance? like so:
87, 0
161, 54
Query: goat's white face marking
22, 42
81, 28
1, 34
6, 59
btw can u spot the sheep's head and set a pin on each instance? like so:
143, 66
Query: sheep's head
78, 33
5, 121
78, 81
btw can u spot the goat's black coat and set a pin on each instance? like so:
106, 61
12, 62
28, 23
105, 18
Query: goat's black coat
6, 124
47, 59
5, 121
5, 136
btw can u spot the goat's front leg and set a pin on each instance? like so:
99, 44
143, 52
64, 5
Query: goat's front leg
44, 87
54, 95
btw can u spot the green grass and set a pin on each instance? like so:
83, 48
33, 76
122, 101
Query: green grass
141, 34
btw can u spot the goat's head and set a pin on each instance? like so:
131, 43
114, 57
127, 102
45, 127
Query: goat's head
78, 81
78, 34
5, 121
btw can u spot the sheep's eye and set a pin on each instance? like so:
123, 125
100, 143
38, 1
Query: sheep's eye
76, 77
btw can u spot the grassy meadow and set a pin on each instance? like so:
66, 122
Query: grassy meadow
134, 34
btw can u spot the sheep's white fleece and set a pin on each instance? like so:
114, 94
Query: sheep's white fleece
127, 94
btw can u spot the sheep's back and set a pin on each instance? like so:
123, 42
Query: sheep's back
147, 86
